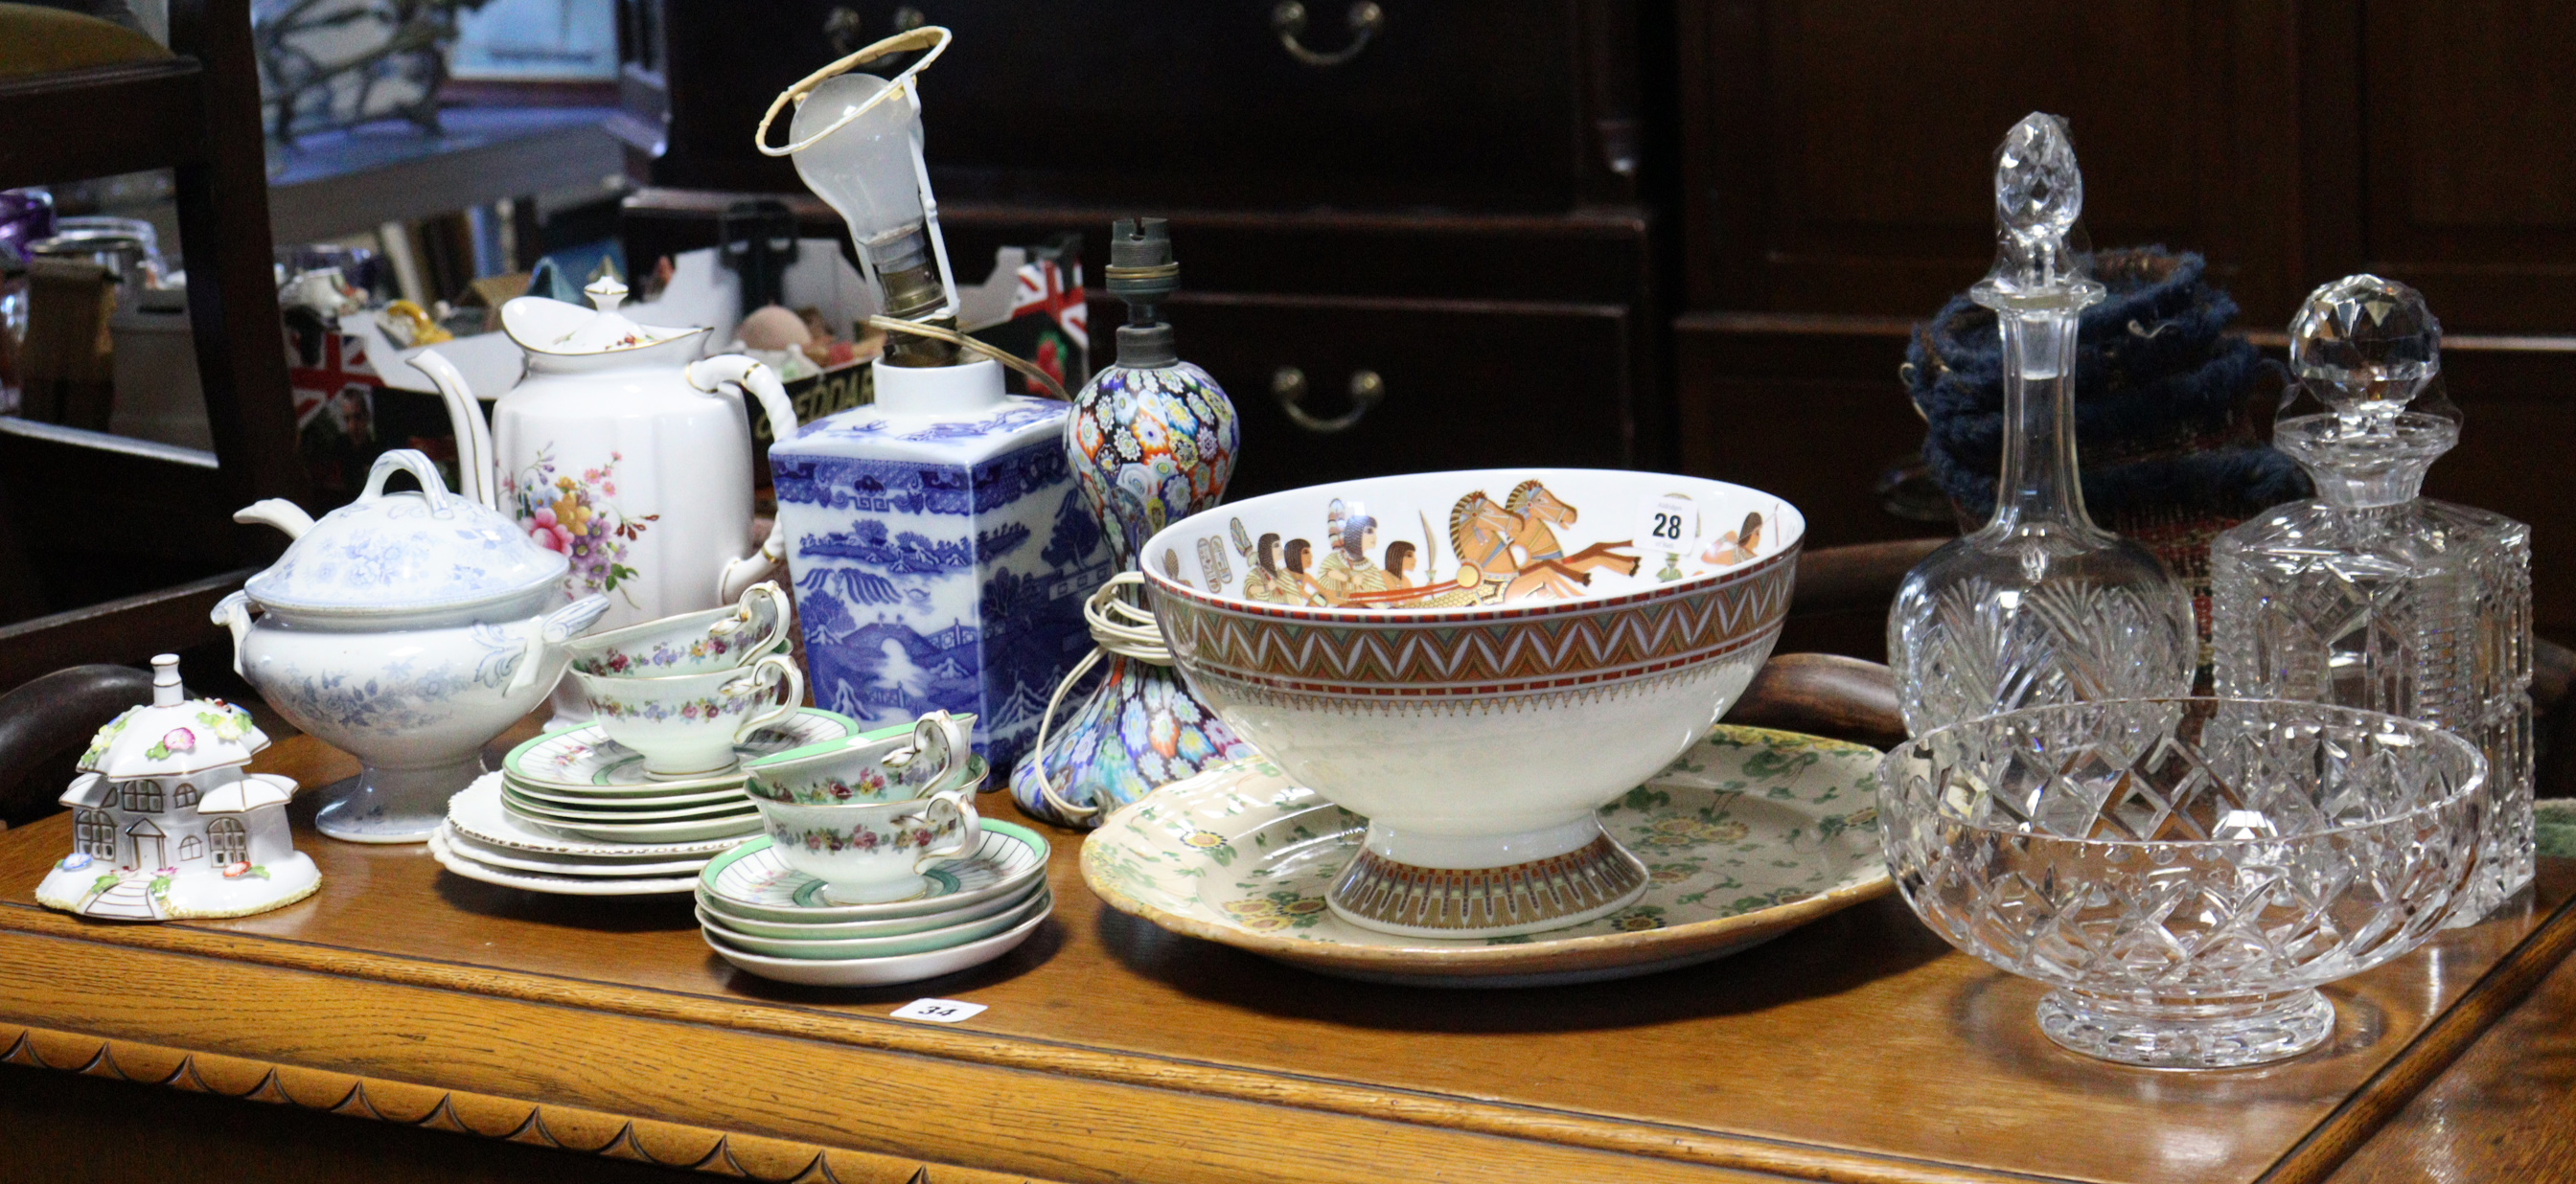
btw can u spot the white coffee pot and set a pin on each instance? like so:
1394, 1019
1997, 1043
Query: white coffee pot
620, 452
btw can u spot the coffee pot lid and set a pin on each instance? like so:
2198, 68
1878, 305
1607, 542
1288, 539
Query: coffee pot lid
544, 326
405, 552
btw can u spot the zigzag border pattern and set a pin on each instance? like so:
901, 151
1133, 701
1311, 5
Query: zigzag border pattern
1485, 700
1582, 643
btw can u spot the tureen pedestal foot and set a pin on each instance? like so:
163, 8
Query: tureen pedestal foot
1439, 886
383, 805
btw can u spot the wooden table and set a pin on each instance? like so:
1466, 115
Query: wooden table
1858, 1049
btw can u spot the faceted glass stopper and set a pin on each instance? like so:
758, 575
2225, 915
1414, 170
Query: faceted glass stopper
2038, 190
2366, 346
2039, 194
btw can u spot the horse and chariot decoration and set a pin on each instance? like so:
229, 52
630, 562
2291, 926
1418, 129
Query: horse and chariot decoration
1496, 552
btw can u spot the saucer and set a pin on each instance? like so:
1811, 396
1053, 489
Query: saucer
732, 826
751, 881
876, 972
476, 813
1748, 835
584, 758
596, 867
625, 799
891, 927
465, 866
545, 811
919, 942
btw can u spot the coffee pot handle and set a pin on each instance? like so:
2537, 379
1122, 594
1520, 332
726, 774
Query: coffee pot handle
747, 373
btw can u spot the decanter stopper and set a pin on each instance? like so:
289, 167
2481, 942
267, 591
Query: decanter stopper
2365, 347
2039, 197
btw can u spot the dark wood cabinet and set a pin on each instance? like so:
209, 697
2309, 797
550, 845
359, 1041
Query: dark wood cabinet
1454, 208
1835, 160
1695, 233
1181, 103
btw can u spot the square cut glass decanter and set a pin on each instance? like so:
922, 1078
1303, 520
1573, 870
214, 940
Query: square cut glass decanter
2370, 596
2040, 606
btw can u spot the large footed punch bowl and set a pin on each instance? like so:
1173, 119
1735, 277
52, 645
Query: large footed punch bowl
1477, 661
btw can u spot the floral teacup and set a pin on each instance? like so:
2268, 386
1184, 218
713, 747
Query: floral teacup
873, 852
704, 642
933, 758
687, 725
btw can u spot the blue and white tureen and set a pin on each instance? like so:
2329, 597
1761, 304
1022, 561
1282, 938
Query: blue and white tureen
409, 629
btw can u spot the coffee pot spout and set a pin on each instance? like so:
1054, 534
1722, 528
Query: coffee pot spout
475, 477
713, 375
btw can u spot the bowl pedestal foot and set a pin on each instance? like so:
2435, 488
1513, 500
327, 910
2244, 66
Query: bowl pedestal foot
2186, 1034
1547, 879
382, 805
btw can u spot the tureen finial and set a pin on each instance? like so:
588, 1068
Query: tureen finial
605, 293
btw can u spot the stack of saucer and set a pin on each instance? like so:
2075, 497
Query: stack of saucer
482, 841
572, 812
579, 782
774, 921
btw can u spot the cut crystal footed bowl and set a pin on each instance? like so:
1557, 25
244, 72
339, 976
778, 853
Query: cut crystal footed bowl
2185, 872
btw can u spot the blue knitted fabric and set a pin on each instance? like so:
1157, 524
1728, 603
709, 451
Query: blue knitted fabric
2160, 398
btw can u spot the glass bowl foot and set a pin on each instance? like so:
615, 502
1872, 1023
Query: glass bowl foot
2206, 1034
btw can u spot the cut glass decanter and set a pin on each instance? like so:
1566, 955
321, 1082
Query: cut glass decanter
2040, 606
2370, 596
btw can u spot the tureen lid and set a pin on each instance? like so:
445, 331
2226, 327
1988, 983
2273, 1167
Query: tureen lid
546, 326
172, 736
402, 552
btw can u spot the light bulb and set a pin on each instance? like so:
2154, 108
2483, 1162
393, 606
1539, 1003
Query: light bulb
865, 171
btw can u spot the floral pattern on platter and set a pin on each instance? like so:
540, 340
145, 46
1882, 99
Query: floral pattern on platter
575, 515
1747, 820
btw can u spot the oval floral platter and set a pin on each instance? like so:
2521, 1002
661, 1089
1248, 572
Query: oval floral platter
1748, 835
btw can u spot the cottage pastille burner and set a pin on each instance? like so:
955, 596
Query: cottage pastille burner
167, 825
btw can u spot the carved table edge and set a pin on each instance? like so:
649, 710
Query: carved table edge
2386, 1092
562, 1128
2308, 1161
1284, 1088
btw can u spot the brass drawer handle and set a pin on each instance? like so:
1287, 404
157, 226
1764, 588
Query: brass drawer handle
845, 28
1288, 386
1289, 21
